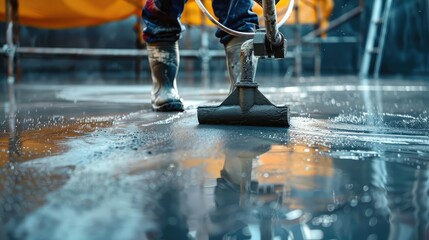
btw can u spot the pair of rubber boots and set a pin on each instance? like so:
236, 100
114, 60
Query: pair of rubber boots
164, 63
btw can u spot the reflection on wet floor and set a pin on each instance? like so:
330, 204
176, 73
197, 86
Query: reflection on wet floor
353, 165
43, 142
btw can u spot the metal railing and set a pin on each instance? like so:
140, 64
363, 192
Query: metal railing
204, 54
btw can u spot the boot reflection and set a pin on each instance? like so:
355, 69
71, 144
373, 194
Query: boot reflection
231, 195
242, 204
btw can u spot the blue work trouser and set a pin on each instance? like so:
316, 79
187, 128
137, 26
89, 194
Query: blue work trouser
162, 18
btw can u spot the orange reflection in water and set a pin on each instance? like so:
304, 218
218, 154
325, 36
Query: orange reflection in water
297, 165
212, 167
4, 148
42, 142
293, 164
305, 175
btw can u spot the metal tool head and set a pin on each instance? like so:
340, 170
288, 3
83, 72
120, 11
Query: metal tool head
245, 106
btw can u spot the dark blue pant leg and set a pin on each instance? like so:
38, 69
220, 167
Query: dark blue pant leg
162, 19
235, 14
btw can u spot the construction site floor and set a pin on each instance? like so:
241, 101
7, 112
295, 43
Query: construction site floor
95, 162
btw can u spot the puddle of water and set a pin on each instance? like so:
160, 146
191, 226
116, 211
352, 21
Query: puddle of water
336, 175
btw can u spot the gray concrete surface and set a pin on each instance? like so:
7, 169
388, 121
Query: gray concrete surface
94, 162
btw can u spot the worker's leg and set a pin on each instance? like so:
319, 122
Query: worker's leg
237, 15
161, 34
162, 20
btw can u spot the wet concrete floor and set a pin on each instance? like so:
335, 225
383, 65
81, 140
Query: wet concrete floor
94, 162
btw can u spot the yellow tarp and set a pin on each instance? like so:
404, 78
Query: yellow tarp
57, 14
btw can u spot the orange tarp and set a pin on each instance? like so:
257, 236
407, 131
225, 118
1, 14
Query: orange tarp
310, 11
57, 14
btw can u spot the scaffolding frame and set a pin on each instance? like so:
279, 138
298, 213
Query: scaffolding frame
316, 37
204, 53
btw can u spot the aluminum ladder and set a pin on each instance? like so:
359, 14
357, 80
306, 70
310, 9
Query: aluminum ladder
377, 31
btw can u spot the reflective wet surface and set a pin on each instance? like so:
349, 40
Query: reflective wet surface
94, 162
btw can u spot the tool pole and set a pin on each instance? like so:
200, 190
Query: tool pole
270, 18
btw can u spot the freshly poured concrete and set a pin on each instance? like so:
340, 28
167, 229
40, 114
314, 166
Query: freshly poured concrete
94, 162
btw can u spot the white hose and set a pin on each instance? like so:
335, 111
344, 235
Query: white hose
287, 14
242, 34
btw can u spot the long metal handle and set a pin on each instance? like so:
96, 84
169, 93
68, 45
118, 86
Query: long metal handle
270, 17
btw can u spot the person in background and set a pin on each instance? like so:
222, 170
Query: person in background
163, 30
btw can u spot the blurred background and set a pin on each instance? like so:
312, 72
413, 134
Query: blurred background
325, 37
354, 162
